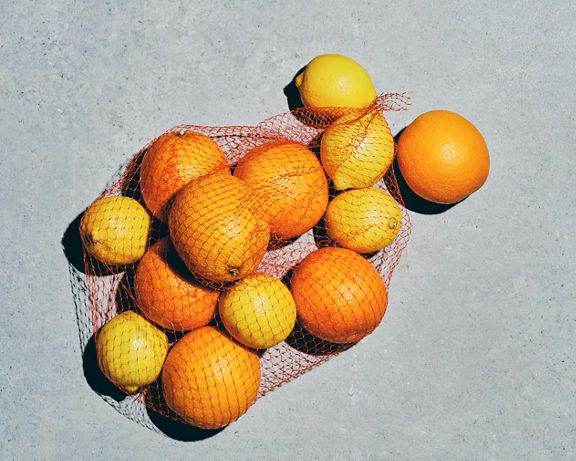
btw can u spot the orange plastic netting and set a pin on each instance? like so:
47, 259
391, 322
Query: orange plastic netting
237, 216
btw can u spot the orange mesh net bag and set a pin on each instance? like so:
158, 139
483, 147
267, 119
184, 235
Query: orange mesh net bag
226, 261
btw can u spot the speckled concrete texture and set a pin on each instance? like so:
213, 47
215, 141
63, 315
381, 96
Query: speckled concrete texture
475, 359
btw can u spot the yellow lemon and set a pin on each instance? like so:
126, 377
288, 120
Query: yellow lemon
333, 80
356, 151
258, 311
131, 351
363, 220
115, 230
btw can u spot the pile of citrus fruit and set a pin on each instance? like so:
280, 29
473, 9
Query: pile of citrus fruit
200, 231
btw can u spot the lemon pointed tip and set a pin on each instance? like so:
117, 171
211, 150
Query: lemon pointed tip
298, 79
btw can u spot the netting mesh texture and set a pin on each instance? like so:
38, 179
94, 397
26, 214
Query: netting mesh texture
245, 268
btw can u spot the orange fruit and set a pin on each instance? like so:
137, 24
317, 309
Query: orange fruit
340, 297
167, 293
216, 227
443, 157
209, 379
172, 161
292, 182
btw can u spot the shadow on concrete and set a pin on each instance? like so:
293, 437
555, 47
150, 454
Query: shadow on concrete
72, 244
292, 94
178, 430
303, 341
94, 376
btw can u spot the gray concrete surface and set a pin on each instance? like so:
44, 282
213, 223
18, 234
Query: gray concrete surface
475, 359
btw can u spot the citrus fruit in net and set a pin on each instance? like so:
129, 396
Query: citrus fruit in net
443, 157
172, 161
293, 183
130, 351
217, 228
339, 295
167, 292
364, 220
333, 80
115, 230
209, 379
258, 311
357, 150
